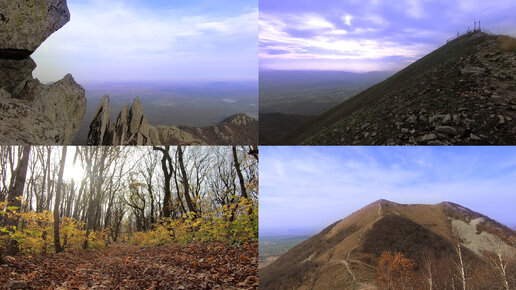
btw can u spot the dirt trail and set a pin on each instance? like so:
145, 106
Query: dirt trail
124, 266
349, 269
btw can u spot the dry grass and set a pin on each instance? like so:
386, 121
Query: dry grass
507, 43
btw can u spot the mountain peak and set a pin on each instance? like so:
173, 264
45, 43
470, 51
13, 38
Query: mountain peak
347, 252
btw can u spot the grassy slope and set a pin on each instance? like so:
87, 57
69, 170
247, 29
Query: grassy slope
362, 236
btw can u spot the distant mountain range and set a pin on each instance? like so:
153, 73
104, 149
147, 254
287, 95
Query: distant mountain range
347, 254
462, 93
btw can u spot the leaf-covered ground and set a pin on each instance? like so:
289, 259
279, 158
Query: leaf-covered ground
125, 266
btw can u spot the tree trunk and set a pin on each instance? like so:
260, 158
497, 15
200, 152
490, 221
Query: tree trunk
15, 194
243, 190
186, 185
167, 172
57, 242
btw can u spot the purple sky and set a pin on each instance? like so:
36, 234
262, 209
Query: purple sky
368, 35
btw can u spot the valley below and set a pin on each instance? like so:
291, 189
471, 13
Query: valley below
170, 104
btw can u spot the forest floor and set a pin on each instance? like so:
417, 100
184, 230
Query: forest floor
126, 266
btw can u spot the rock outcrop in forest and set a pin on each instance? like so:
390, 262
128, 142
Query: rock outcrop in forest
32, 112
133, 128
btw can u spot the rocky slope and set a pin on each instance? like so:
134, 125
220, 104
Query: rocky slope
132, 128
462, 93
34, 113
345, 254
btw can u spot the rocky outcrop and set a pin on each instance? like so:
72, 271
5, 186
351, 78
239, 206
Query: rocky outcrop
34, 113
132, 128
24, 25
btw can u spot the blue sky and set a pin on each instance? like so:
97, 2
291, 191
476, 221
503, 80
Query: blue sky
113, 40
304, 189
368, 35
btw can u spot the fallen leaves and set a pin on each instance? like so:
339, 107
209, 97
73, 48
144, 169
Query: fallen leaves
124, 266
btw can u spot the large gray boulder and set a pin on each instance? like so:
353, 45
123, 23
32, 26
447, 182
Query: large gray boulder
34, 113
15, 73
64, 104
51, 117
22, 124
25, 24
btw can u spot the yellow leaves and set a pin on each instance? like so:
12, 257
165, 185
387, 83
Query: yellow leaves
213, 225
37, 236
12, 208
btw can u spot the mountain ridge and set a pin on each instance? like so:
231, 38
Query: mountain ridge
462, 93
418, 231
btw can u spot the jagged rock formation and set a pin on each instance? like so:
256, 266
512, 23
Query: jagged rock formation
34, 113
462, 93
345, 254
132, 128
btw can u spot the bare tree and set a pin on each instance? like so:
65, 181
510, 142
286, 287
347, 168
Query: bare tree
57, 242
167, 168
461, 267
500, 259
184, 181
15, 194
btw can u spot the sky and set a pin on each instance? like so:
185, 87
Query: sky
305, 189
126, 40
368, 35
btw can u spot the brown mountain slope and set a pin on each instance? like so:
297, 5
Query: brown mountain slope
462, 93
345, 254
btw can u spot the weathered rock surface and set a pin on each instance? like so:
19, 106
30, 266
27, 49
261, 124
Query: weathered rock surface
34, 113
15, 73
22, 124
133, 128
24, 25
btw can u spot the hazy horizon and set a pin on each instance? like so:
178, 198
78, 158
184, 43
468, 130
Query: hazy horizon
371, 35
139, 40
165, 103
305, 189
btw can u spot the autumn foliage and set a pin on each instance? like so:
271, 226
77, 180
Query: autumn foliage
395, 271
213, 226
34, 232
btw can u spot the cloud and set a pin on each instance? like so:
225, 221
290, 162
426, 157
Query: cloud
347, 19
312, 187
113, 33
342, 34
337, 47
415, 8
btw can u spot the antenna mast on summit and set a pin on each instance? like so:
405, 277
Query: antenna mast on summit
475, 25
